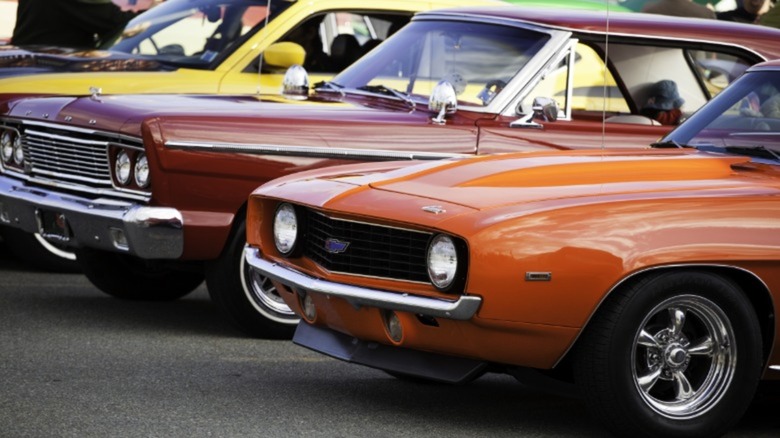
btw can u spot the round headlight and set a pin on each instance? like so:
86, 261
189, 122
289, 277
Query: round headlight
442, 261
285, 229
141, 171
7, 146
122, 167
18, 151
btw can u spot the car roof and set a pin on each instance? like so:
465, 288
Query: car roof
762, 39
768, 65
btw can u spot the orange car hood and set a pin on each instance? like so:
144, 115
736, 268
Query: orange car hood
493, 181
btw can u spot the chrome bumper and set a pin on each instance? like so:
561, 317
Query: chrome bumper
107, 224
462, 308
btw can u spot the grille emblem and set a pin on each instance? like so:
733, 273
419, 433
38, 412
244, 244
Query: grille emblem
334, 246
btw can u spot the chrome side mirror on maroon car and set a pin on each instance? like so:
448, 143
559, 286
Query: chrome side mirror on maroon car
295, 84
443, 101
543, 108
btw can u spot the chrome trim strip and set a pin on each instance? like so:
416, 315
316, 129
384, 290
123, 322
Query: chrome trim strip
311, 151
774, 367
112, 136
463, 308
124, 194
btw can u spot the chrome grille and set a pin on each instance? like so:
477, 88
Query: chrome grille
373, 250
72, 158
67, 156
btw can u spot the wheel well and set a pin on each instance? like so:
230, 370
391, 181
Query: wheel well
238, 219
755, 290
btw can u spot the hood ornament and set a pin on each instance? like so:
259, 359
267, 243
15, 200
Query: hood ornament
435, 209
95, 93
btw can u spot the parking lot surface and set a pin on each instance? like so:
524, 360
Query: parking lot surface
75, 362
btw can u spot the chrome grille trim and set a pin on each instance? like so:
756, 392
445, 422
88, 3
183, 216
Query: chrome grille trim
72, 158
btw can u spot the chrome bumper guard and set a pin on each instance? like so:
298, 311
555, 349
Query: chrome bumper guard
462, 308
107, 224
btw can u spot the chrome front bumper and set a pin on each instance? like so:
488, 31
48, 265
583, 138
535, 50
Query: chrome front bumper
463, 308
107, 224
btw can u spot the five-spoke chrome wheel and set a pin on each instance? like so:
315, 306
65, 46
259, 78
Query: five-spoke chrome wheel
684, 356
676, 353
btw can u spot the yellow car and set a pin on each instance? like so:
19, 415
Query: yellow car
215, 46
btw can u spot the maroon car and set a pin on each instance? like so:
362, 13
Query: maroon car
150, 190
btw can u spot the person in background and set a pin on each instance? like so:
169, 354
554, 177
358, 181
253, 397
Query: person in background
80, 24
678, 8
747, 11
771, 18
664, 104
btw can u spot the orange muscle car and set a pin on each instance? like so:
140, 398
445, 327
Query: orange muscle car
650, 278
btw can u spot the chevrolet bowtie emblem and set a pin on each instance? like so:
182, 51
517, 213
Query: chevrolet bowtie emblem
334, 246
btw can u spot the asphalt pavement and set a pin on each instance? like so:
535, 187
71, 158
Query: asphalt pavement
77, 363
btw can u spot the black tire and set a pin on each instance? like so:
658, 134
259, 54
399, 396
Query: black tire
248, 300
645, 369
35, 251
131, 278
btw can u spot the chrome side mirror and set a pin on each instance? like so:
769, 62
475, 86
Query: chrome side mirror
443, 101
543, 108
546, 108
295, 84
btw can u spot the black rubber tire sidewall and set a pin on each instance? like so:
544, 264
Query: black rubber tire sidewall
130, 278
603, 371
223, 278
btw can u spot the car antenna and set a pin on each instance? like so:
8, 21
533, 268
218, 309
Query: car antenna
260, 58
606, 69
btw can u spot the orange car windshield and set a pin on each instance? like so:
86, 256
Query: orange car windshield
744, 119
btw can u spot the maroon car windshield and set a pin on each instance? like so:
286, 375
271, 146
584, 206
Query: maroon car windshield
471, 56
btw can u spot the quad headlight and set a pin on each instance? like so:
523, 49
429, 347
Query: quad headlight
18, 151
141, 171
442, 261
122, 168
285, 229
7, 146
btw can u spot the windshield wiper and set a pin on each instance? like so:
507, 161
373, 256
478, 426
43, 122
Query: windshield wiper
668, 144
759, 151
381, 89
330, 86
750, 151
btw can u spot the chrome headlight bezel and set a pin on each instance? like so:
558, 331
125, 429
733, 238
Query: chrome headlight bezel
141, 173
7, 146
286, 229
122, 168
446, 260
18, 151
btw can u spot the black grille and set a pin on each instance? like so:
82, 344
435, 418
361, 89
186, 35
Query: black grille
372, 250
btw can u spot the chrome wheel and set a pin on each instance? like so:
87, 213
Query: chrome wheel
264, 296
684, 357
